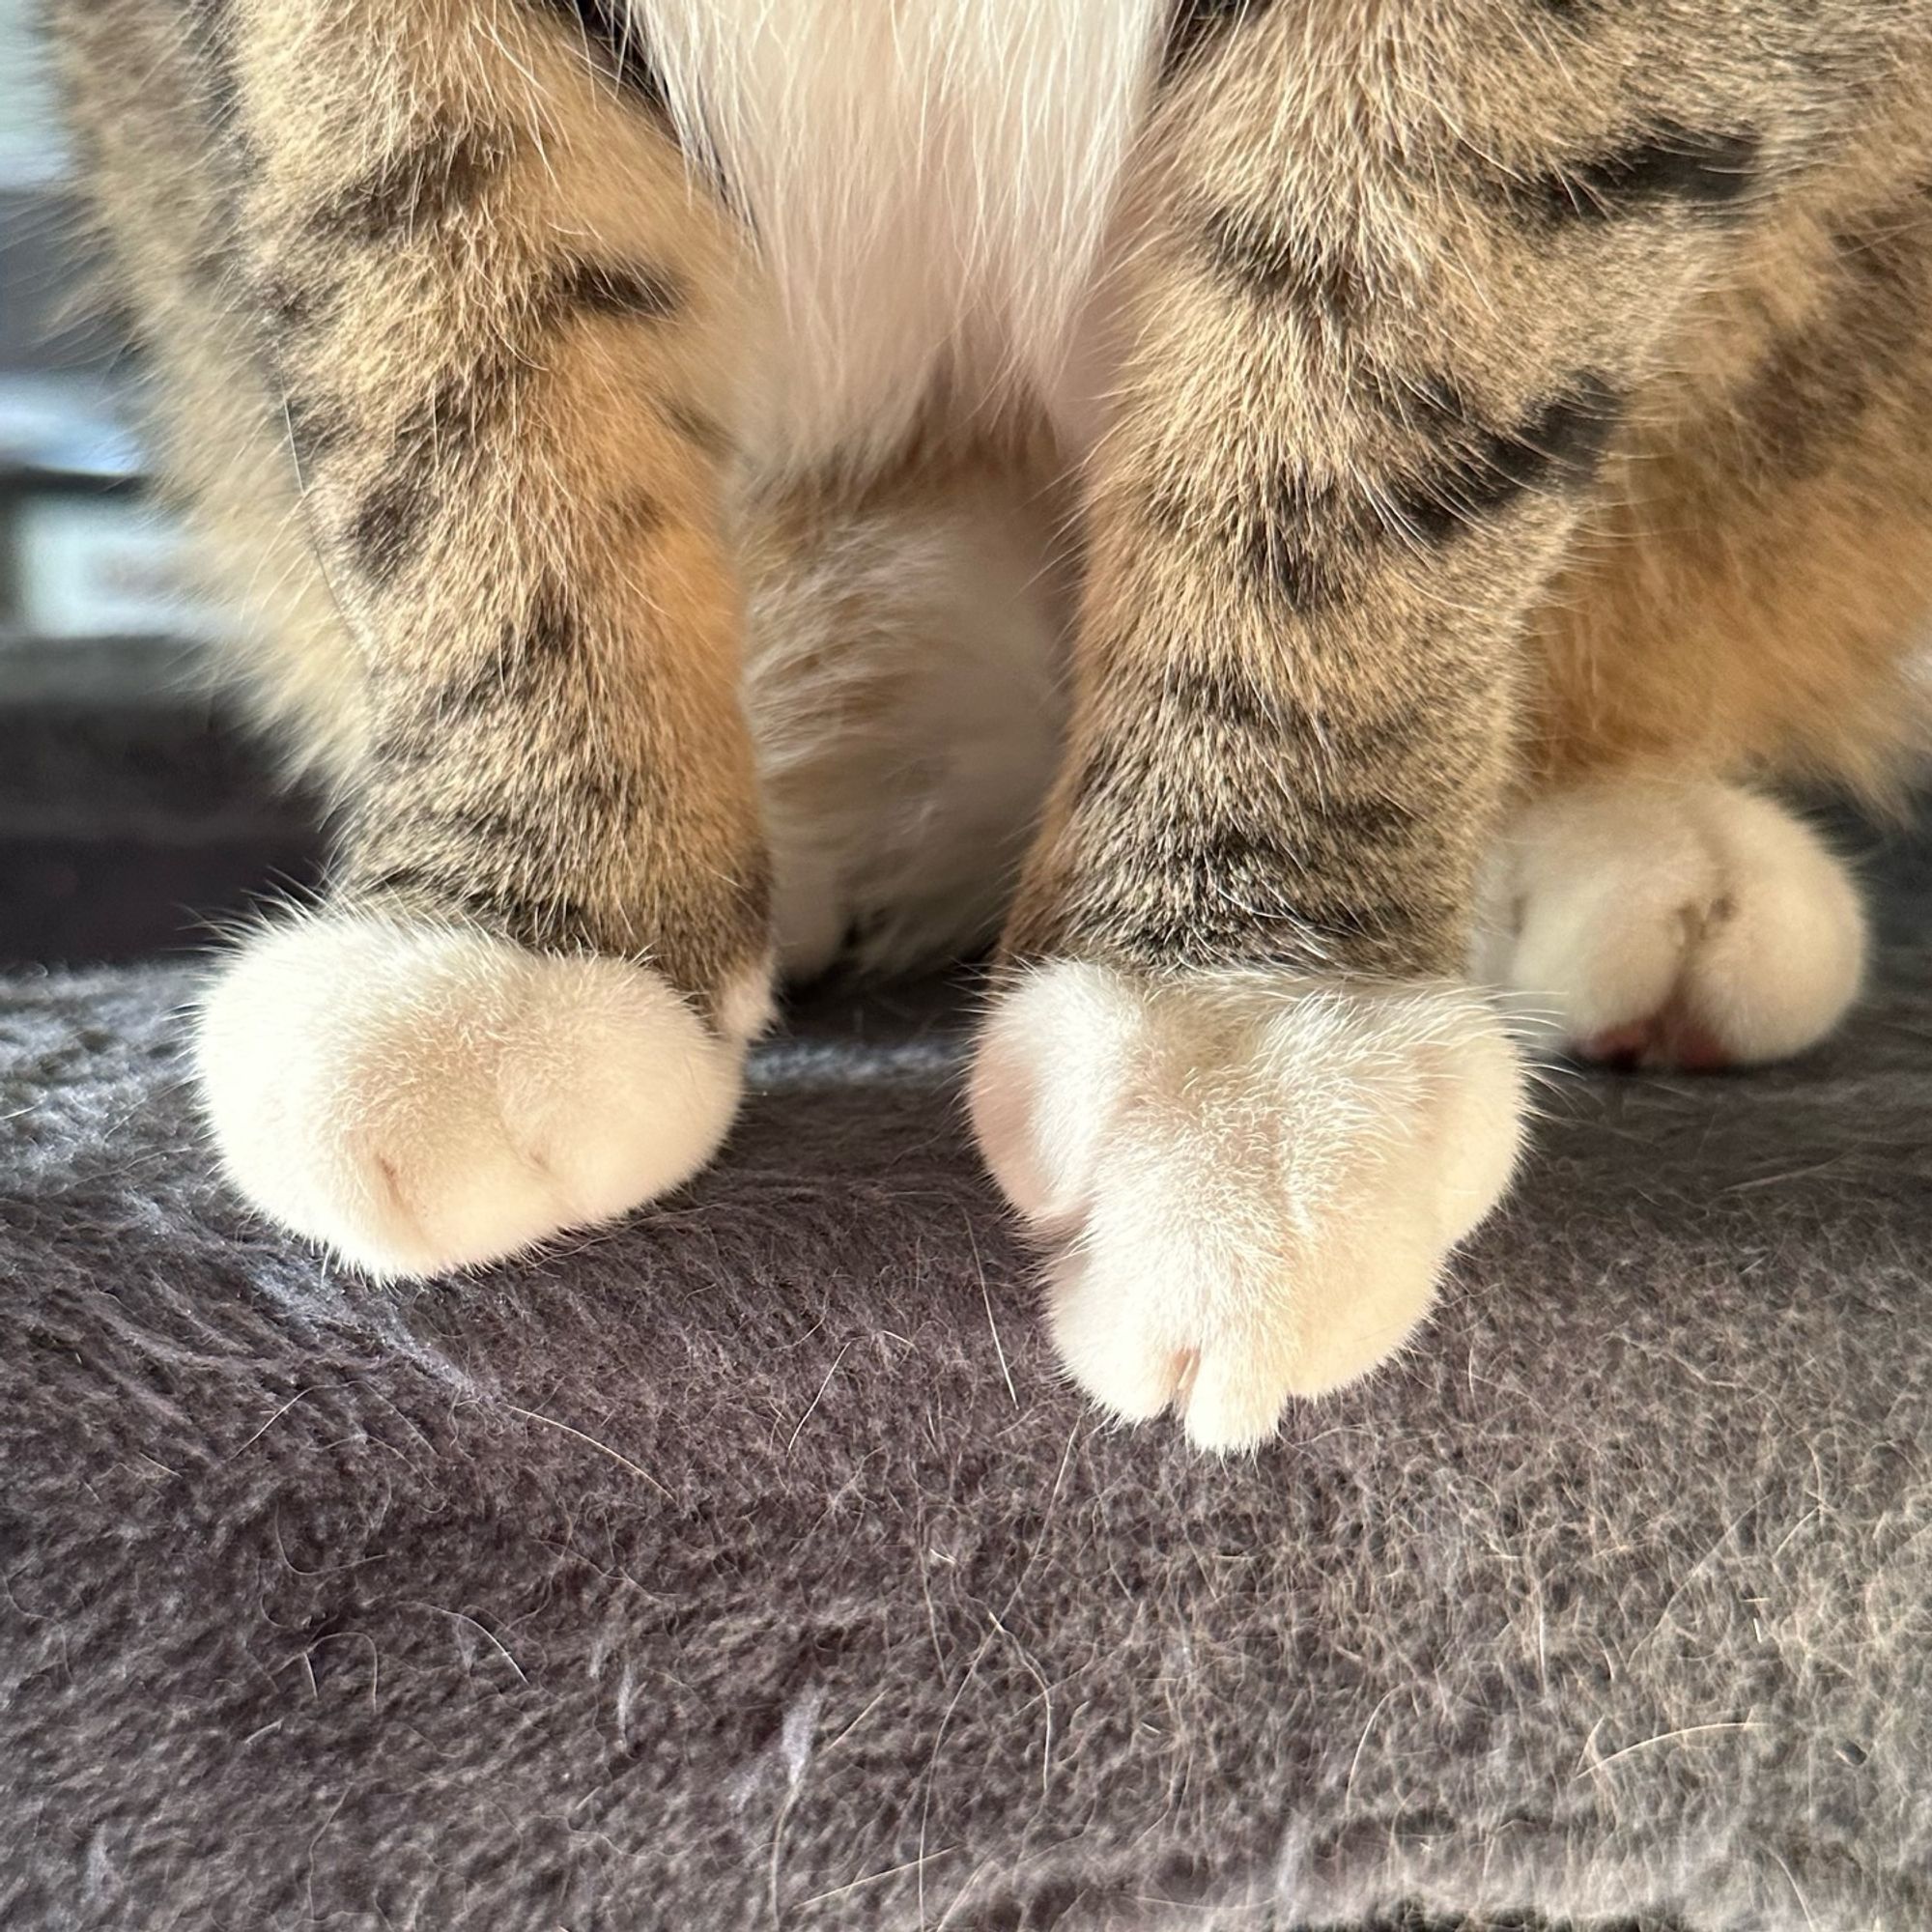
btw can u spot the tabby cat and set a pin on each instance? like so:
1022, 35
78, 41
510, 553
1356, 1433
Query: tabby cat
1313, 521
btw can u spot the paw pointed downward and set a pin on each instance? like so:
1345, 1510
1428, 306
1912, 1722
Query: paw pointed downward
421, 1099
1248, 1183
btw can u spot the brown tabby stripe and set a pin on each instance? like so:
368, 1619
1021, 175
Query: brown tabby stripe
639, 290
1557, 445
1301, 543
700, 428
1662, 164
1195, 23
532, 919
1265, 258
416, 188
435, 437
548, 639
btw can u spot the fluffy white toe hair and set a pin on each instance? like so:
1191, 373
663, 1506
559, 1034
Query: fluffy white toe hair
1249, 1183
420, 1098
1674, 923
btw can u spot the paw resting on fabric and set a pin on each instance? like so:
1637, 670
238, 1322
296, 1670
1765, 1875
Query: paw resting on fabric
420, 1098
1248, 1182
1692, 925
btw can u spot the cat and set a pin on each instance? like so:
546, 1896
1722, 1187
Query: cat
1312, 522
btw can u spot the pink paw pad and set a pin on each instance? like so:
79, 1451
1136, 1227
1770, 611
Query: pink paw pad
1668, 1040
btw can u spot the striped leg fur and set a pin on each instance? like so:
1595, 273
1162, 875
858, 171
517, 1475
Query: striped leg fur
1397, 289
503, 328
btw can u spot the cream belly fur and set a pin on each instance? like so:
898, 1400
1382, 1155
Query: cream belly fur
932, 184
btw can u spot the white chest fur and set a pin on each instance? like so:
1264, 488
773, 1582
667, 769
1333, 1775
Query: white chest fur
930, 182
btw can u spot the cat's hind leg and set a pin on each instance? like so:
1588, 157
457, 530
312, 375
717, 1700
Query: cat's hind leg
1753, 605
904, 682
1659, 919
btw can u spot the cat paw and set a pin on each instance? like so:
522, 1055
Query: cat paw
420, 1098
1695, 925
1248, 1183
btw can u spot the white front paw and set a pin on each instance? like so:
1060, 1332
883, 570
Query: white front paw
420, 1098
1251, 1181
1692, 925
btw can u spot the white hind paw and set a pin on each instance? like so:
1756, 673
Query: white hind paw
420, 1098
1688, 924
1250, 1182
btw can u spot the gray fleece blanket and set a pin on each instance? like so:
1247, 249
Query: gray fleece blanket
749, 1567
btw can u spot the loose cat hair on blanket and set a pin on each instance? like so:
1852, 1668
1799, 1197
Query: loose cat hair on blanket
1313, 521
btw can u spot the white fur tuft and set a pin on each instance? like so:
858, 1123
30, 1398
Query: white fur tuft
930, 182
422, 1098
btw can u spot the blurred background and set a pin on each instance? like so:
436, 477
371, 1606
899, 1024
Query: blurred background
132, 811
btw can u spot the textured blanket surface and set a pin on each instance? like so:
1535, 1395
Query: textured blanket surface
748, 1567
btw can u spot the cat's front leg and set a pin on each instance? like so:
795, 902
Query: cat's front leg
504, 320
1238, 1079
1248, 1179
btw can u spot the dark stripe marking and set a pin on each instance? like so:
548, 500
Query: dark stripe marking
1220, 696
1379, 936
1229, 876
414, 188
526, 917
1276, 556
460, 411
1223, 704
385, 531
700, 429
530, 654
437, 437
1270, 536
1271, 263
1280, 544
494, 827
444, 431
1428, 405
1557, 446
1195, 25
1256, 857
1238, 702
1295, 539
635, 516
634, 290
1373, 819
1663, 164
552, 631
294, 305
